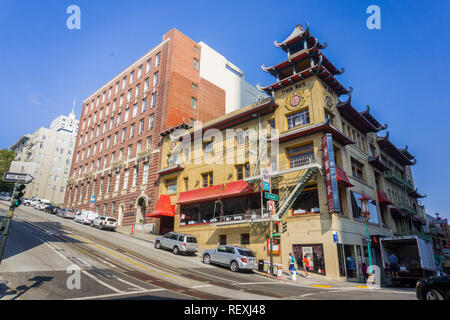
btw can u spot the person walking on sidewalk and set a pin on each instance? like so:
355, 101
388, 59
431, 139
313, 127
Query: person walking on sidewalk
291, 262
364, 271
306, 265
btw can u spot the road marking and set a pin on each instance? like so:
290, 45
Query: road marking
117, 294
101, 282
320, 286
201, 286
129, 283
266, 282
364, 287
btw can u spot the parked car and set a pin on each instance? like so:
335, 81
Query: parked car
51, 209
64, 213
41, 204
433, 288
104, 222
5, 196
26, 202
236, 258
177, 242
89, 216
79, 217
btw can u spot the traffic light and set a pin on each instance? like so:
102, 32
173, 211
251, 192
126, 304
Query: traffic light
277, 227
17, 195
284, 226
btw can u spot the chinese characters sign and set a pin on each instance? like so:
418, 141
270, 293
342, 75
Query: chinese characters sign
330, 174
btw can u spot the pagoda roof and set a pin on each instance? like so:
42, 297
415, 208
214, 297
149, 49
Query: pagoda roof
314, 128
182, 125
318, 69
366, 114
416, 194
297, 35
300, 56
406, 153
377, 163
393, 151
356, 118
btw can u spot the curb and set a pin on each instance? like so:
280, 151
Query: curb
135, 237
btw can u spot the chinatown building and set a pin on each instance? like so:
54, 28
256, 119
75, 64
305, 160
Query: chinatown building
117, 151
221, 202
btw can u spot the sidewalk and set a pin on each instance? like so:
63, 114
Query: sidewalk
144, 235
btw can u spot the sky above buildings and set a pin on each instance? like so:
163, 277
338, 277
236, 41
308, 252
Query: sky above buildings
401, 70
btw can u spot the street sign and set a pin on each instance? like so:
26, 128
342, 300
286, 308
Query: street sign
335, 237
265, 174
17, 177
93, 199
271, 196
266, 186
271, 205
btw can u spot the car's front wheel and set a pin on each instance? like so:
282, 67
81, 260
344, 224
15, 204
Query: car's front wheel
176, 250
433, 294
158, 245
234, 266
206, 259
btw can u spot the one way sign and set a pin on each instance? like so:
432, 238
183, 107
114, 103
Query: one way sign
18, 177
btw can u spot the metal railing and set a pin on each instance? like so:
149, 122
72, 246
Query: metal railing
302, 161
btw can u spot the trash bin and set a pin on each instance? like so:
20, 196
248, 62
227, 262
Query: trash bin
261, 265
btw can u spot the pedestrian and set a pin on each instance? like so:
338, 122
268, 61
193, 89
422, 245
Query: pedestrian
306, 265
364, 271
291, 262
394, 266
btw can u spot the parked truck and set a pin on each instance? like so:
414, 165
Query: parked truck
415, 255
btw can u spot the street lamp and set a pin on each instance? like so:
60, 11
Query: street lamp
365, 214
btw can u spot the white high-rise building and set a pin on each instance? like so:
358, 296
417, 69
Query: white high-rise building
51, 151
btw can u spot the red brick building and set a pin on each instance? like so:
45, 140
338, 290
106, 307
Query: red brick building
116, 156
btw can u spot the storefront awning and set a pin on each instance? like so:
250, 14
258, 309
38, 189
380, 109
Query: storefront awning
215, 192
382, 197
342, 178
398, 213
163, 208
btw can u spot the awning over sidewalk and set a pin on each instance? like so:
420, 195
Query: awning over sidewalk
163, 208
215, 192
342, 178
382, 197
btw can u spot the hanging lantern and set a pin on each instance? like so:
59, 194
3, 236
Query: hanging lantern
365, 214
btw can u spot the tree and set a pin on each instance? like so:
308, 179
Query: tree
6, 157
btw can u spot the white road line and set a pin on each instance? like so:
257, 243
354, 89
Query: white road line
117, 294
101, 282
265, 282
129, 283
201, 286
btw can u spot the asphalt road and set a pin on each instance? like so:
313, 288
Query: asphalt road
41, 247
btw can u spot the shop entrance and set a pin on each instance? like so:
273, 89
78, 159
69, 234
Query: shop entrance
165, 224
350, 262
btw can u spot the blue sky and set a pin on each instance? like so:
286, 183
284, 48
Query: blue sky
401, 71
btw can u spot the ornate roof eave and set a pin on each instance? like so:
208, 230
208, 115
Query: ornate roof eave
366, 114
182, 125
297, 34
318, 69
377, 163
406, 153
356, 118
386, 145
416, 194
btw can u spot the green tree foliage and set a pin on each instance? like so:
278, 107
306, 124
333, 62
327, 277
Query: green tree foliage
6, 157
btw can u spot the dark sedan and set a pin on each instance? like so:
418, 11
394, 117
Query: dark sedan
433, 288
52, 209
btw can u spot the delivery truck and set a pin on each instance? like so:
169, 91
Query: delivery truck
415, 256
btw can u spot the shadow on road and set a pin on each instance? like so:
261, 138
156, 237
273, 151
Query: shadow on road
21, 290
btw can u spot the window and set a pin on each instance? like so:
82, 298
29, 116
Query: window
130, 151
193, 103
245, 239
149, 142
153, 99
109, 92
242, 171
155, 78
173, 158
186, 184
357, 169
108, 142
138, 89
194, 86
171, 186
298, 119
121, 101
105, 163
135, 107
135, 176
196, 49
116, 138
127, 112
121, 153
116, 186
144, 105
242, 137
124, 83
157, 59
145, 175
149, 64
195, 64
146, 85
103, 96
301, 156
113, 208
139, 72
129, 95
207, 179
117, 88
125, 179
114, 105
150, 121
124, 134
222, 239
141, 126
138, 146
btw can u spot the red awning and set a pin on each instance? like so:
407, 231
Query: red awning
163, 208
342, 178
382, 197
215, 192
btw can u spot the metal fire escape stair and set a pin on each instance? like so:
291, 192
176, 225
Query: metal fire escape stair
292, 192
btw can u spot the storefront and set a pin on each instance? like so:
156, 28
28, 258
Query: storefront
314, 253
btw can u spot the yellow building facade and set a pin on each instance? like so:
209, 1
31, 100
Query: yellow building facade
213, 172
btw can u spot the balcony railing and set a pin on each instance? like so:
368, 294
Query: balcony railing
301, 161
397, 179
243, 217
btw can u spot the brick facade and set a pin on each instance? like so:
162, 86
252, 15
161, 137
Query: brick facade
178, 83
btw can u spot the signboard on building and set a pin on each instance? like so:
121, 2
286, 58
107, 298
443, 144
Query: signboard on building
330, 174
335, 237
271, 196
276, 246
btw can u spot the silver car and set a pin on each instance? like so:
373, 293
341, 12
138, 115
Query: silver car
177, 242
236, 258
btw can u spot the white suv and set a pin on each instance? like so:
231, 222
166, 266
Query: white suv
104, 222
